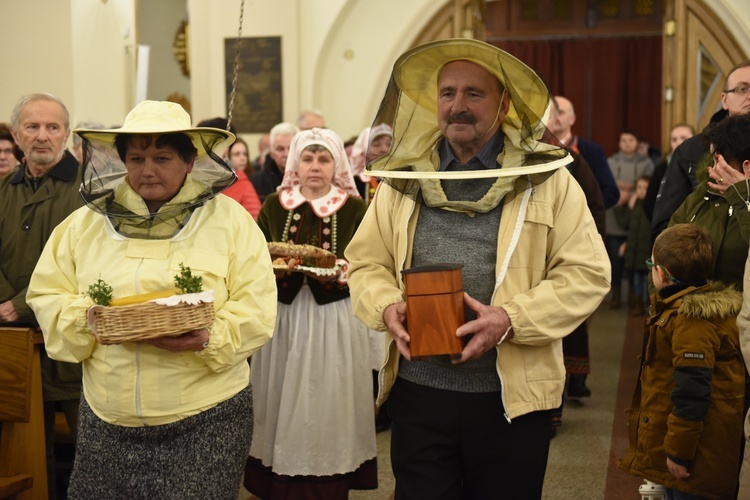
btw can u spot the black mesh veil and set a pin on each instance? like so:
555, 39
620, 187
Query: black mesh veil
105, 190
410, 108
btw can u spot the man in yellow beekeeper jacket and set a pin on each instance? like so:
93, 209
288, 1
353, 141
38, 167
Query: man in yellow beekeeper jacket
468, 181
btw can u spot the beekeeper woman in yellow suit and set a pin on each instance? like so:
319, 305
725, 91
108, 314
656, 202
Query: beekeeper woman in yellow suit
166, 417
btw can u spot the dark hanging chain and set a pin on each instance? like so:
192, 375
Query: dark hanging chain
236, 66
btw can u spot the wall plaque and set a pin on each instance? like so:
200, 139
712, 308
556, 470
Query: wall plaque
258, 101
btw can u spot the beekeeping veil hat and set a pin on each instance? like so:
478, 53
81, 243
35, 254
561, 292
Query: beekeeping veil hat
410, 108
104, 187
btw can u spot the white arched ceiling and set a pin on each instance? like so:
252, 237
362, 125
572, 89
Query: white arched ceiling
357, 56
735, 15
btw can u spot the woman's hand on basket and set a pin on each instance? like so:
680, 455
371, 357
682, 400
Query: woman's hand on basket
193, 340
281, 274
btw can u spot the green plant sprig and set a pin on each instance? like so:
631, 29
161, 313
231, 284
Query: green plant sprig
186, 282
100, 292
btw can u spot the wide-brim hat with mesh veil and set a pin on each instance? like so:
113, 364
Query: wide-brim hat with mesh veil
104, 187
410, 107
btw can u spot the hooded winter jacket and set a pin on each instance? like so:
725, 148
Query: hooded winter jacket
688, 401
726, 219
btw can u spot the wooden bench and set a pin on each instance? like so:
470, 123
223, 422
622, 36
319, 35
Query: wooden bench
23, 459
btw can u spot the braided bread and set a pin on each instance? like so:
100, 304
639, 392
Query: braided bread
292, 255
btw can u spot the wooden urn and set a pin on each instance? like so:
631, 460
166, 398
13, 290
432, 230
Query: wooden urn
434, 309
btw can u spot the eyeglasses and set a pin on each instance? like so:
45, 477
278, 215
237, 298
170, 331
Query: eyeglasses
8, 152
650, 264
740, 90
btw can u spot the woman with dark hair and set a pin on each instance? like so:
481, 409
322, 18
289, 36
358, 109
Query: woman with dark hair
719, 202
8, 151
242, 191
170, 416
239, 156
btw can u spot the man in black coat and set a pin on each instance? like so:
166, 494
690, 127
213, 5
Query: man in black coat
590, 151
679, 179
34, 199
266, 180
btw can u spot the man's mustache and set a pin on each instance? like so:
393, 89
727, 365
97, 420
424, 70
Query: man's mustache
462, 117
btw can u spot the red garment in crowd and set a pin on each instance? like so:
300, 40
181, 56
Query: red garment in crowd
244, 193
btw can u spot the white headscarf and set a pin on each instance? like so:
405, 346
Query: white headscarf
342, 173
358, 157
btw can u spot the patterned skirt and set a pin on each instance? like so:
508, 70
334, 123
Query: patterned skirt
198, 457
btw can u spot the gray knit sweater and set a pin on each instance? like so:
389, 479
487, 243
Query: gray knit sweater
444, 236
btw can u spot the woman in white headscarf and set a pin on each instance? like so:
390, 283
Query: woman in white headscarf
372, 143
314, 434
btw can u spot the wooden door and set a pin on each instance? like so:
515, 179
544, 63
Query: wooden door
698, 54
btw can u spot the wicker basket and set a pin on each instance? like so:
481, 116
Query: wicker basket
149, 320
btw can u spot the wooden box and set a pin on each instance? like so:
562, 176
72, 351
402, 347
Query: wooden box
434, 309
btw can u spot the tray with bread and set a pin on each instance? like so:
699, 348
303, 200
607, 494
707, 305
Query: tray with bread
302, 258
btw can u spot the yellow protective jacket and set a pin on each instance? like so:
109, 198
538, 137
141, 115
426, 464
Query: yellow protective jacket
551, 274
135, 384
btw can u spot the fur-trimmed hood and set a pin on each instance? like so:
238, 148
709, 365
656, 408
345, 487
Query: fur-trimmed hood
697, 361
712, 301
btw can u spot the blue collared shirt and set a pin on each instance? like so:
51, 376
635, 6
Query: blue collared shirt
485, 159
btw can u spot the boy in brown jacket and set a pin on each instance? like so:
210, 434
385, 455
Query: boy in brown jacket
686, 421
